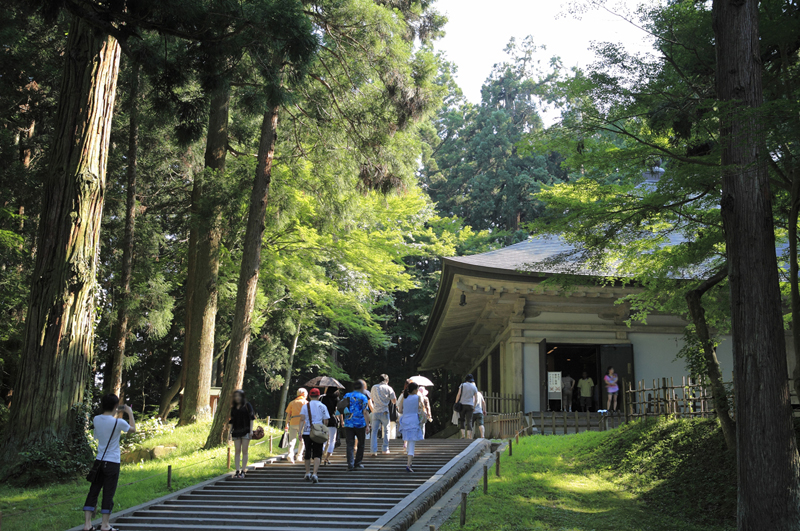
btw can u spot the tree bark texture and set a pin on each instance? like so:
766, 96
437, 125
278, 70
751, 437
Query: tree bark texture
768, 465
719, 394
288, 381
119, 333
58, 347
199, 355
248, 276
794, 281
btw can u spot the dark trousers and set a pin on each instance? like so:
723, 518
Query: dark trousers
106, 480
351, 434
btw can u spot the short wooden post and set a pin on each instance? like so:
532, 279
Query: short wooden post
541, 422
553, 414
268, 419
431, 528
588, 420
270, 443
625, 400
169, 477
510, 447
229, 457
463, 509
564, 414
497, 463
485, 479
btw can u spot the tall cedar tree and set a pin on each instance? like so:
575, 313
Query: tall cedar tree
768, 464
59, 329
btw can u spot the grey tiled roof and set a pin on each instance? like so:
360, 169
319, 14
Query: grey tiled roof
521, 256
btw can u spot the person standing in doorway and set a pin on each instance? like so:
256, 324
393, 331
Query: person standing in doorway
294, 412
586, 385
567, 386
412, 411
382, 395
241, 428
330, 401
477, 414
355, 407
466, 397
612, 388
107, 429
314, 412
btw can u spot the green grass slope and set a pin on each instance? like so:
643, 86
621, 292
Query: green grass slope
661, 475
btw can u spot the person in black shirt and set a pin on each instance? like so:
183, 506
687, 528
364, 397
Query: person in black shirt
330, 400
241, 428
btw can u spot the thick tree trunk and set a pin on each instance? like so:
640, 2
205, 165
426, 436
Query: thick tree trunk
248, 276
768, 464
794, 281
200, 350
119, 333
719, 394
288, 381
59, 332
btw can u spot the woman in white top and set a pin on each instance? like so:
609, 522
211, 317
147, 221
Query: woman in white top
318, 413
107, 429
410, 421
466, 397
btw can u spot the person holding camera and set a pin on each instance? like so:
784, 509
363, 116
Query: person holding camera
105, 471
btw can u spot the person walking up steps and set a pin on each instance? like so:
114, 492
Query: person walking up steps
314, 412
382, 395
355, 407
466, 397
477, 414
293, 415
331, 400
241, 428
107, 430
413, 412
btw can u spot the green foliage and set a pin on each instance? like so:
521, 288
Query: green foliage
474, 170
146, 429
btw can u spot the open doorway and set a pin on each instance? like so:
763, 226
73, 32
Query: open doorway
573, 359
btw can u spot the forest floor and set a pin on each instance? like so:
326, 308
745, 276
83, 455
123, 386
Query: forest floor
664, 475
60, 506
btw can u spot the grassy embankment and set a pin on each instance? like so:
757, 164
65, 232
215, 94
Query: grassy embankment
60, 506
664, 475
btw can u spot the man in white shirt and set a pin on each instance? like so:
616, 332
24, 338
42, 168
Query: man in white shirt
313, 450
107, 429
382, 395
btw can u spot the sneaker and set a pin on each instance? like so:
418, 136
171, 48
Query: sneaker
350, 468
359, 465
375, 454
387, 452
314, 479
291, 459
409, 469
307, 477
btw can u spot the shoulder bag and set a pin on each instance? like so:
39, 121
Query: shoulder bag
90, 477
458, 406
318, 432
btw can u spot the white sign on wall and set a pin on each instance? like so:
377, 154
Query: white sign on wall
554, 384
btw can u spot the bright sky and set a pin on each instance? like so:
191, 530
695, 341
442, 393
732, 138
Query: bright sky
478, 30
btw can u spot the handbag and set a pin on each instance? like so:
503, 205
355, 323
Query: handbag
90, 477
258, 433
284, 439
458, 406
318, 432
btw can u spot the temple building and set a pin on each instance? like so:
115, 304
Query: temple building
493, 317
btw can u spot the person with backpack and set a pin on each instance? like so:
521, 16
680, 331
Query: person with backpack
241, 429
465, 405
355, 407
314, 417
414, 416
104, 474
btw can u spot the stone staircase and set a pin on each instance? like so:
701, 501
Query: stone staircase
274, 497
